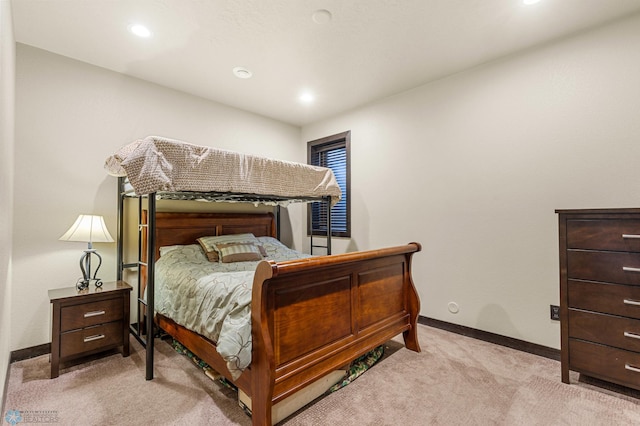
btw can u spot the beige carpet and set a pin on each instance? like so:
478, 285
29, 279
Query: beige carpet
454, 381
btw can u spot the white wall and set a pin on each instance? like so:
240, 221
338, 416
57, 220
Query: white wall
7, 77
69, 117
474, 165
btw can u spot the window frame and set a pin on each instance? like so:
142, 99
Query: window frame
337, 141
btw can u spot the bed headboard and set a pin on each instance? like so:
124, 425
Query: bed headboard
184, 228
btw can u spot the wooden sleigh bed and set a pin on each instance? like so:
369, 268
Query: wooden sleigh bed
309, 317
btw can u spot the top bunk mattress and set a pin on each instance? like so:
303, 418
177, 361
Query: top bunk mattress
157, 164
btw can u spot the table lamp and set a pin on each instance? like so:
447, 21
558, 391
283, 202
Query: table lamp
89, 229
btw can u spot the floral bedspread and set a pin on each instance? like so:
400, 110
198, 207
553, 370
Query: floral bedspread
213, 299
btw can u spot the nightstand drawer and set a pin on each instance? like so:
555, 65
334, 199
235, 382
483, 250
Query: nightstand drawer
616, 299
604, 234
85, 315
91, 338
613, 267
606, 329
604, 362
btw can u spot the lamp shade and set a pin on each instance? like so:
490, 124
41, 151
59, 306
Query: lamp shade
88, 229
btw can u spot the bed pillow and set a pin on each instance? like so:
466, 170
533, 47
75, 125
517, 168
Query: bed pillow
186, 253
167, 249
209, 249
209, 244
238, 252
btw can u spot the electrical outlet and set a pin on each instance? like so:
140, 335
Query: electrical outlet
555, 312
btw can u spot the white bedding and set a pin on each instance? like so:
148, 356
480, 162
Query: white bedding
155, 164
213, 299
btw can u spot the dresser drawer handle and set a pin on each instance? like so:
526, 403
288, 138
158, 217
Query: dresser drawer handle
630, 236
94, 314
632, 335
94, 337
632, 368
631, 302
630, 269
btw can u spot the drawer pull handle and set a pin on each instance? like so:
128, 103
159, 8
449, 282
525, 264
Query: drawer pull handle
93, 314
630, 269
94, 337
631, 302
630, 236
632, 335
632, 368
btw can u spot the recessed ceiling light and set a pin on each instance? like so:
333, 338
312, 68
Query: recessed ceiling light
321, 16
242, 72
530, 2
307, 97
140, 30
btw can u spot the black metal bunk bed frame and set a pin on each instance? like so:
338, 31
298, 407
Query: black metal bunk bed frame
146, 335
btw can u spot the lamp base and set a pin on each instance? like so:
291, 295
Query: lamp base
85, 267
83, 284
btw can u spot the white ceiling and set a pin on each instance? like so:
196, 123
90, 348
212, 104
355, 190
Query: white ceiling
370, 49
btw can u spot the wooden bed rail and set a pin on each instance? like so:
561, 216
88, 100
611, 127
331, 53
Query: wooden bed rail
293, 266
313, 316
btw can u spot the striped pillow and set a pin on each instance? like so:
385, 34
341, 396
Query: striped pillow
238, 252
209, 244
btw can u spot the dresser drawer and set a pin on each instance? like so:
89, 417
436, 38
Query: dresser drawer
614, 267
604, 234
91, 338
616, 299
88, 314
610, 330
604, 362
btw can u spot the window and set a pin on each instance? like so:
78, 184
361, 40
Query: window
333, 152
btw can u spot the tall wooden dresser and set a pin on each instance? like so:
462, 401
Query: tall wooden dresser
600, 294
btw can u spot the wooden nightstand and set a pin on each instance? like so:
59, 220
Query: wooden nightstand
89, 321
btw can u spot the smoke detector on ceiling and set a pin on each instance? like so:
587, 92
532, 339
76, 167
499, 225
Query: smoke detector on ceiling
242, 72
321, 16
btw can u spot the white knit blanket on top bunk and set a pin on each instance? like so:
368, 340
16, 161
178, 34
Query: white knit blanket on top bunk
157, 164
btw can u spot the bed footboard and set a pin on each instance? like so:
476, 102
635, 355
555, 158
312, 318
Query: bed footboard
314, 315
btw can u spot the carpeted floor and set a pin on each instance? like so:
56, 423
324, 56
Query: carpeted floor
454, 381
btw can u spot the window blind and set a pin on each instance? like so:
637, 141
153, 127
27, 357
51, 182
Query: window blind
334, 156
